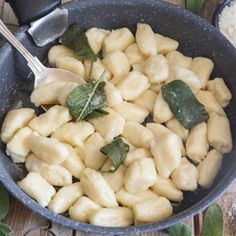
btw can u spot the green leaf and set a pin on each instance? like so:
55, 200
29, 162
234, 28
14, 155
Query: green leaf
86, 100
180, 230
76, 39
194, 5
96, 113
183, 104
4, 202
5, 229
213, 224
116, 151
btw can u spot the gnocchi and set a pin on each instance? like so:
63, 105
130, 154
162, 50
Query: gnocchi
65, 197
15, 120
37, 188
114, 152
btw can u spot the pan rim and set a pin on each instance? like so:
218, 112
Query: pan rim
193, 210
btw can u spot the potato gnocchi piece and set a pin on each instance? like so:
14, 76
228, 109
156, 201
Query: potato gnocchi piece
118, 39
209, 168
74, 133
218, 87
65, 198
83, 209
109, 126
157, 69
115, 179
47, 94
93, 158
158, 130
147, 100
54, 174
133, 53
188, 77
136, 154
59, 51
197, 144
165, 187
174, 125
185, 176
15, 120
165, 44
219, 133
97, 70
71, 64
18, 148
203, 68
64, 92
209, 101
137, 134
140, 175
48, 149
96, 188
146, 40
38, 188
128, 199
133, 85
161, 111
131, 112
113, 95
96, 37
152, 210
51, 120
176, 58
112, 217
74, 163
167, 153
117, 63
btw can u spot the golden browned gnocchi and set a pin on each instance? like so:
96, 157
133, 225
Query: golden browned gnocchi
117, 150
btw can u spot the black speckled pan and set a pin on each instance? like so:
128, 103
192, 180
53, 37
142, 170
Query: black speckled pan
196, 37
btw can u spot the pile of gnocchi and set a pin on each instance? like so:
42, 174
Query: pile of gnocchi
63, 158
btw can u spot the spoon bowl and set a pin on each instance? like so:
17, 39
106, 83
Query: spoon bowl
43, 75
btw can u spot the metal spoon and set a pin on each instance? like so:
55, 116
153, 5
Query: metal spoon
43, 75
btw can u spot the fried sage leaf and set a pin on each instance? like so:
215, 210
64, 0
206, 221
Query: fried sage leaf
87, 100
213, 221
4, 202
183, 104
194, 5
116, 151
180, 230
5, 229
76, 39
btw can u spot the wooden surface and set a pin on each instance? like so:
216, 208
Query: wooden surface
26, 223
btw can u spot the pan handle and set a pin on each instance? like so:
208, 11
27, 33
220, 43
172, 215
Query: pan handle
28, 11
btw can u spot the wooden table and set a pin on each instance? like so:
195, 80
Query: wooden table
26, 223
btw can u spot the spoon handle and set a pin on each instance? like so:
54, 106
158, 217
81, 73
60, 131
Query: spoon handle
36, 66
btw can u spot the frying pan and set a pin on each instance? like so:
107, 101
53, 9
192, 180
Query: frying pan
196, 37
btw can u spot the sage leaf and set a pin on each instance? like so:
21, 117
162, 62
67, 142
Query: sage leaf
4, 202
96, 114
5, 229
213, 224
183, 104
194, 5
76, 39
86, 100
180, 230
116, 151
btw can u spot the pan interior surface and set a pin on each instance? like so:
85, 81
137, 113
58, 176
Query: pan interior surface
196, 38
